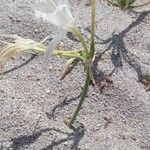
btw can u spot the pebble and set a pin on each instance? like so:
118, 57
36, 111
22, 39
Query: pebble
50, 68
39, 83
29, 76
48, 91
38, 79
36, 31
32, 67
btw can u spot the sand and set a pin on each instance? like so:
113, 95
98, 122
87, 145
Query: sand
34, 102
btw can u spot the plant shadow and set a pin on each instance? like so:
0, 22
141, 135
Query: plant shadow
25, 141
119, 52
33, 56
61, 105
76, 136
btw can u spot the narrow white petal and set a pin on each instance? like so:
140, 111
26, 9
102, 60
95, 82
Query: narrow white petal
52, 46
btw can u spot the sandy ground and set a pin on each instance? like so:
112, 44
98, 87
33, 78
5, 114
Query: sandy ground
34, 102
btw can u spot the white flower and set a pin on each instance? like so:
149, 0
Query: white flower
56, 12
59, 14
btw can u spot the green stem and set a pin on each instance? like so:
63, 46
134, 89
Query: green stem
89, 56
84, 92
78, 34
127, 5
69, 54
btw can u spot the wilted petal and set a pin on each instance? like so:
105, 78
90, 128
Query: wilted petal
62, 17
49, 6
57, 12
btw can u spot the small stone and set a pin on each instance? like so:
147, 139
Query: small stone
65, 144
39, 83
109, 79
38, 79
29, 76
19, 97
48, 91
18, 20
10, 17
36, 31
50, 68
32, 67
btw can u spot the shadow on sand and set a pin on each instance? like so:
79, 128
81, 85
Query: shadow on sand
119, 52
33, 56
25, 141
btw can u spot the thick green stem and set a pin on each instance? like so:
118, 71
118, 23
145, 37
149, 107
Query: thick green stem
89, 57
84, 92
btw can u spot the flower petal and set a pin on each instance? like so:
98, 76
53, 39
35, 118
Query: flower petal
45, 6
48, 6
62, 17
58, 12
52, 46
